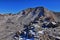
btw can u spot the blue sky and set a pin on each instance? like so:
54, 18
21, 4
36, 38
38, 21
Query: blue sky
14, 6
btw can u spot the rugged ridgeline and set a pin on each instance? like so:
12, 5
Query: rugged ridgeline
10, 23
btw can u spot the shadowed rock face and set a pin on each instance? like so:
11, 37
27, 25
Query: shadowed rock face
10, 23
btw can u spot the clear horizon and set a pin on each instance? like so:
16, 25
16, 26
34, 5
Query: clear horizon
14, 6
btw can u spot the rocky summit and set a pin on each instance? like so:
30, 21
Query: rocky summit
11, 23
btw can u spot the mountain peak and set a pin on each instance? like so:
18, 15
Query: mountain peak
14, 22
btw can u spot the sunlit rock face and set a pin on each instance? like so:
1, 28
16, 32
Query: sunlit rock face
10, 23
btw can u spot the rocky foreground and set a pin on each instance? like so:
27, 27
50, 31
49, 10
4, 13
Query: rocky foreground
11, 23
